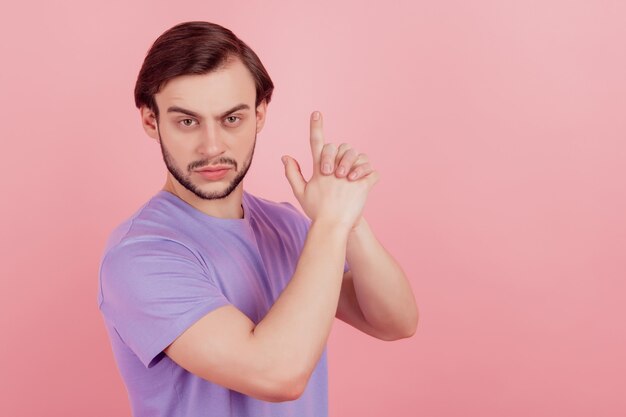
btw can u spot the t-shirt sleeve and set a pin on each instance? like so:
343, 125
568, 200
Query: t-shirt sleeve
152, 291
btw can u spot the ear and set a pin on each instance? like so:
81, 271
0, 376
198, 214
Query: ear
261, 111
148, 122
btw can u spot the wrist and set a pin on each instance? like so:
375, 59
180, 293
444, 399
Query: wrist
332, 226
359, 227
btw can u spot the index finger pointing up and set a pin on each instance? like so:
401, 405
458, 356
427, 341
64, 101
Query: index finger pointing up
317, 137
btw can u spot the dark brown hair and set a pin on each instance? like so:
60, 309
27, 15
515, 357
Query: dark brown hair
195, 48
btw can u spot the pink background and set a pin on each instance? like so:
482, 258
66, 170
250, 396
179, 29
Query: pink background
498, 128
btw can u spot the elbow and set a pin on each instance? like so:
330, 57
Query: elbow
411, 326
292, 391
286, 389
406, 330
409, 331
398, 335
269, 386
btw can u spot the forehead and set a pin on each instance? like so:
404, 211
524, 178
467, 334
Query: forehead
211, 93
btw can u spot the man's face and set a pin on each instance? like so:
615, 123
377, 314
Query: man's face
207, 129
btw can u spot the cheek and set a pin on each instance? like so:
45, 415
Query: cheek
243, 140
178, 153
178, 143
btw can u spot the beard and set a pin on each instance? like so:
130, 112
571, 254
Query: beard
185, 179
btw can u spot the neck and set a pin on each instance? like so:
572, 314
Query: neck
229, 207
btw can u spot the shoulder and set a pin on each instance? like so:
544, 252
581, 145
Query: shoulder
158, 220
154, 237
281, 214
148, 251
284, 208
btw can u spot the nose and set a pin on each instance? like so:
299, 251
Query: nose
210, 143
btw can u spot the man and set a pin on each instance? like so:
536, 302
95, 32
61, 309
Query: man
218, 302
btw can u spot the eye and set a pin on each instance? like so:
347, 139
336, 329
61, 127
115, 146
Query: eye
232, 120
187, 122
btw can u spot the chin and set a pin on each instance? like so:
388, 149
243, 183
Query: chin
213, 191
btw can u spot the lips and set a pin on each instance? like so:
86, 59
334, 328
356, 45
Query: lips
215, 168
214, 172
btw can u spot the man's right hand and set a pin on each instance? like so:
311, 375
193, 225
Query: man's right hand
327, 198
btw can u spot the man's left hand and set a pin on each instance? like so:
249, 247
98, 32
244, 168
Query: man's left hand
344, 162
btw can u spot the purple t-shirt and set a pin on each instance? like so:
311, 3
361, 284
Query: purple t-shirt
168, 266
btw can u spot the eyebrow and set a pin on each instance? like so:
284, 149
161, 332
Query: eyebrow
177, 109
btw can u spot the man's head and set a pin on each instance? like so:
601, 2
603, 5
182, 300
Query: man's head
203, 95
196, 48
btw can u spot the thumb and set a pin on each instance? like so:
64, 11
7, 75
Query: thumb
294, 176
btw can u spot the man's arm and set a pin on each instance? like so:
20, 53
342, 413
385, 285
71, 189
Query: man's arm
273, 360
376, 296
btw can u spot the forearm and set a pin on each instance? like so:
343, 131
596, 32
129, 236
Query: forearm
293, 334
383, 292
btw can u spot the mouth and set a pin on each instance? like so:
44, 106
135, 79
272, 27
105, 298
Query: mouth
214, 172
214, 168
